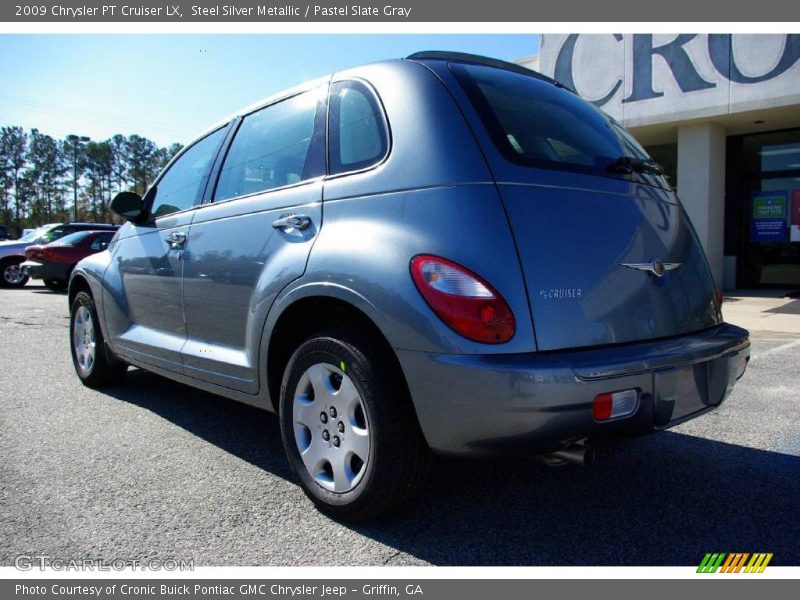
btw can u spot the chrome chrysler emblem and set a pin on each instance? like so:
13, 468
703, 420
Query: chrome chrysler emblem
656, 267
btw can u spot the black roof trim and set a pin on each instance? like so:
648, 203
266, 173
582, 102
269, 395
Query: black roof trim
88, 224
476, 59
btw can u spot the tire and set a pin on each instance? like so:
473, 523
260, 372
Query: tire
11, 275
374, 460
55, 285
94, 364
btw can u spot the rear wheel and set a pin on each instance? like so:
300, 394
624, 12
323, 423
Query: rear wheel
12, 274
95, 365
55, 285
349, 429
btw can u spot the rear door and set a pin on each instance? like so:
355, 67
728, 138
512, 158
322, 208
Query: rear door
145, 315
253, 237
607, 251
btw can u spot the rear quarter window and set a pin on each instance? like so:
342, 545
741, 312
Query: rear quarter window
358, 131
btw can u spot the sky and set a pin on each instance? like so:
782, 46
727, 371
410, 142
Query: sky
170, 88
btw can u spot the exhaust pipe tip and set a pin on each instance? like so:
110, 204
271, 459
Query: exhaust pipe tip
576, 454
588, 456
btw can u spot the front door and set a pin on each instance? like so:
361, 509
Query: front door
144, 317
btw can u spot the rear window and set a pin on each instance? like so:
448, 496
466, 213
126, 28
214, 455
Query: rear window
535, 123
73, 239
33, 236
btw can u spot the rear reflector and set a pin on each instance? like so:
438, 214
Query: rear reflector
614, 405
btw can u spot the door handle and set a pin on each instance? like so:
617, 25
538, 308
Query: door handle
299, 222
176, 240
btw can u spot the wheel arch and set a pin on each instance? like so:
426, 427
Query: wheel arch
85, 280
313, 309
78, 283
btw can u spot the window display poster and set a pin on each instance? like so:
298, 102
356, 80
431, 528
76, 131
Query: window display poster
794, 220
769, 217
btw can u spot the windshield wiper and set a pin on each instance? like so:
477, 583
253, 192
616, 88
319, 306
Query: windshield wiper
630, 164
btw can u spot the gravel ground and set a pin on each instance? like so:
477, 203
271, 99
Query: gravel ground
154, 469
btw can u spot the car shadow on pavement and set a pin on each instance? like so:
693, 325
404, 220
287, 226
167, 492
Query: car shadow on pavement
664, 499
790, 308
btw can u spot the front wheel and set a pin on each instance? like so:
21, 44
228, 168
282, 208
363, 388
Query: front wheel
349, 429
12, 274
93, 362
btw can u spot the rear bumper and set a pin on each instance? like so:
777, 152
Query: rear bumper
540, 402
46, 270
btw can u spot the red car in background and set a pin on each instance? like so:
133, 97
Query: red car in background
54, 262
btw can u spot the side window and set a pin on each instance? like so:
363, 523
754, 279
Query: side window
272, 148
357, 129
101, 241
182, 185
56, 234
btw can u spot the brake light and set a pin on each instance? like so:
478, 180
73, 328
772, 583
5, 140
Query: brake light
614, 405
465, 302
47, 254
720, 298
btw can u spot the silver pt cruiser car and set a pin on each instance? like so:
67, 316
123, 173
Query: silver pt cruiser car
445, 253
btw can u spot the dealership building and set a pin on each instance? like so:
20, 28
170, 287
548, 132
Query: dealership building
721, 114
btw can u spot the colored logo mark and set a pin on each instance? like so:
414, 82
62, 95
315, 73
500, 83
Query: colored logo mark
735, 562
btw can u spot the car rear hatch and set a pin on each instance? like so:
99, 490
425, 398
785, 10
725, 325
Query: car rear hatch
608, 253
591, 264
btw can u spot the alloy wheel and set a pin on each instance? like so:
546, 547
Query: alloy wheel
13, 274
83, 339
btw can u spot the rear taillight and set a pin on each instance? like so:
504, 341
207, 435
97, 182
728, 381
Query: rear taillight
46, 254
464, 301
615, 405
720, 298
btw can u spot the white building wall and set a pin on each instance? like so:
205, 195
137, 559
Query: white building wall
648, 79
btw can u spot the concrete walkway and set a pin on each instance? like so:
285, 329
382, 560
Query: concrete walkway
764, 312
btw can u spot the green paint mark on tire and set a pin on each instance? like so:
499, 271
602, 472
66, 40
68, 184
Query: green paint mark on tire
342, 365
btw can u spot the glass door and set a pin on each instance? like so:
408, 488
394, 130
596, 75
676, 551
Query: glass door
771, 244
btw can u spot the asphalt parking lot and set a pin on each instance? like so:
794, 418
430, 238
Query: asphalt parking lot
152, 468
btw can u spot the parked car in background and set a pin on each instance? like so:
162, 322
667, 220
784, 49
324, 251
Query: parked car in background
54, 262
3, 233
499, 268
12, 252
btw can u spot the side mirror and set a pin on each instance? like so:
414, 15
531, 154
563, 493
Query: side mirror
128, 205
